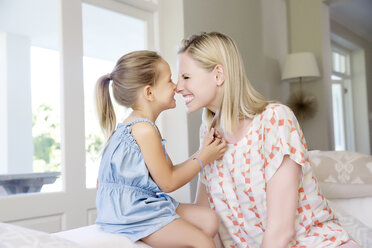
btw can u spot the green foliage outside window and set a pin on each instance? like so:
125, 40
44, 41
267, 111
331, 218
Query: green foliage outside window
93, 146
47, 148
45, 129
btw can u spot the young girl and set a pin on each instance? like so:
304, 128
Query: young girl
263, 188
135, 168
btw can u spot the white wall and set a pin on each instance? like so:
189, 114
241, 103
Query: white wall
260, 31
308, 23
174, 122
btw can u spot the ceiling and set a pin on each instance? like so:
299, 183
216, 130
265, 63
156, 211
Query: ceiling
355, 15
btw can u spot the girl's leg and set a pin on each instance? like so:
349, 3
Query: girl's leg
202, 217
179, 233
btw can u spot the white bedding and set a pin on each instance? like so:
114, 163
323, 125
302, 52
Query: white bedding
12, 236
357, 228
360, 208
92, 236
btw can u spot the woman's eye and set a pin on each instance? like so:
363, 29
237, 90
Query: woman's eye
186, 77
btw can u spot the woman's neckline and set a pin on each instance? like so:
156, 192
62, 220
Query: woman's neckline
247, 128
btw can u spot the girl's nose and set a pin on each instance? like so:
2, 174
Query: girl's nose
179, 86
174, 87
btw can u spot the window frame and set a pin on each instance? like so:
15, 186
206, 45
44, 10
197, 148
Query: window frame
347, 105
75, 205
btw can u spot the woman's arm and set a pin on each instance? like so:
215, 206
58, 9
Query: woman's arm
167, 176
282, 201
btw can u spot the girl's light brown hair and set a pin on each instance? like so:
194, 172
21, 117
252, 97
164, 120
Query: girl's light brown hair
240, 100
132, 72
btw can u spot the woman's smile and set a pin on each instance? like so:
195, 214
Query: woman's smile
188, 98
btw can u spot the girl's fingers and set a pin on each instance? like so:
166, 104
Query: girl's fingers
221, 142
209, 136
217, 134
217, 141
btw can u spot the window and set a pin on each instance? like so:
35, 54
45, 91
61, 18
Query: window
29, 86
107, 35
342, 100
45, 77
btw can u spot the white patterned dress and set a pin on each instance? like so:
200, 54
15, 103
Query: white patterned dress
236, 184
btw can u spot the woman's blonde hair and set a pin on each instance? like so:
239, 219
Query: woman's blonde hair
240, 99
132, 72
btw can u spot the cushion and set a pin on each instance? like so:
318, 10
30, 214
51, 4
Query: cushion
16, 236
92, 236
343, 174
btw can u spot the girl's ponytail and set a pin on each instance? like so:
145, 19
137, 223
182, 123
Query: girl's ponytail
132, 72
105, 109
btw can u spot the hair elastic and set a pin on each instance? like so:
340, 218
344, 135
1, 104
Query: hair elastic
200, 162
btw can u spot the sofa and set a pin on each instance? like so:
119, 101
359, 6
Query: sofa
344, 177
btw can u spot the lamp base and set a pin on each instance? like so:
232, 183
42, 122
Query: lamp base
303, 105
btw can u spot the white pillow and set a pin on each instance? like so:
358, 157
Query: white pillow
342, 174
342, 166
16, 236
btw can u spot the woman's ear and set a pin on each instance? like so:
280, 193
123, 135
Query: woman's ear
147, 93
220, 75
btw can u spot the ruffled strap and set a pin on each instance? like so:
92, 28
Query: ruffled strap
143, 120
156, 128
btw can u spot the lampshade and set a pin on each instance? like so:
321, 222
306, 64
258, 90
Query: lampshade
300, 65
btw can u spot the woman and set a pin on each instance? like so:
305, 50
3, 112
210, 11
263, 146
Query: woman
263, 188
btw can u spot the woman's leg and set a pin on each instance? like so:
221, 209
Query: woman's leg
179, 233
202, 217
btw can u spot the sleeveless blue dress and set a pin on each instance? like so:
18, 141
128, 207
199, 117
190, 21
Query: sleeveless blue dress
128, 200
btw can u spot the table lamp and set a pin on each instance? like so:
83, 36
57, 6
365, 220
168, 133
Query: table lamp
301, 67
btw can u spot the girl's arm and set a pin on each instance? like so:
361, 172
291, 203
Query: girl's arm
282, 201
167, 176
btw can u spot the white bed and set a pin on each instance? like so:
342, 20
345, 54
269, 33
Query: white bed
344, 177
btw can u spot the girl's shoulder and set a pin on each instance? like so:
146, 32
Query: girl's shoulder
142, 127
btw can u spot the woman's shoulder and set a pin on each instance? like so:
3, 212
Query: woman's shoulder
277, 111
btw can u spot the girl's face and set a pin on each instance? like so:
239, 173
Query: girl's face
198, 86
164, 87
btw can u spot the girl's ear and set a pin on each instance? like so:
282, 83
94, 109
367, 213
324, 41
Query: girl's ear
220, 75
147, 93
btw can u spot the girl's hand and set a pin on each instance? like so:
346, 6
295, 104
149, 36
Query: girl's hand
217, 134
213, 147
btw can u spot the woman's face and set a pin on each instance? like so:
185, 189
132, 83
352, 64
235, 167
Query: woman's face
198, 86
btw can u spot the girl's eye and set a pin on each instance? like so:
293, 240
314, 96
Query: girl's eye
186, 77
